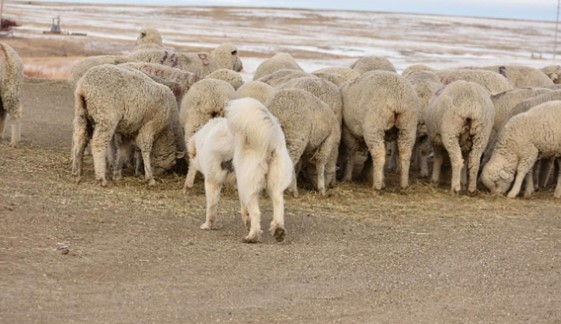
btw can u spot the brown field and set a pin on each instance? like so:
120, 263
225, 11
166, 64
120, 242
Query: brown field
131, 254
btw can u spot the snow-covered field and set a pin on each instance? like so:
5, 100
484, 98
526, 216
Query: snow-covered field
316, 38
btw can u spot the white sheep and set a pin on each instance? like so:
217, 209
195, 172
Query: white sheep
11, 83
322, 89
524, 138
425, 84
279, 77
261, 161
211, 150
331, 95
202, 64
553, 72
521, 76
311, 129
521, 106
205, 100
148, 38
81, 67
505, 102
376, 106
256, 90
372, 63
459, 120
527, 104
347, 73
493, 82
179, 81
336, 79
416, 68
111, 100
280, 61
230, 76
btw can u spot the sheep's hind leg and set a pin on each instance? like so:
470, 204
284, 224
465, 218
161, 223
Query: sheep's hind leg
144, 141
437, 164
350, 146
457, 162
405, 144
424, 152
295, 150
529, 185
547, 172
557, 193
100, 140
524, 166
323, 156
15, 118
375, 141
122, 146
79, 143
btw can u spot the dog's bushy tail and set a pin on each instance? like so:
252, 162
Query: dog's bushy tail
254, 126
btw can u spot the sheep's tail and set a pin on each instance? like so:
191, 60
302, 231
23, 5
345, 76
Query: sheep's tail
83, 129
254, 126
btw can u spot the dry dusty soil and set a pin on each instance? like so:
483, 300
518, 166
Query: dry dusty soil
132, 254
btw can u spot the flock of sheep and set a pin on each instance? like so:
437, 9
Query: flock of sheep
499, 125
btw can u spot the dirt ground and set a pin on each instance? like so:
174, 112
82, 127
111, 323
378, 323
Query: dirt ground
137, 255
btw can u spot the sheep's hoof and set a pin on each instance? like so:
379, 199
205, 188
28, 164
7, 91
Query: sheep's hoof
473, 193
295, 194
151, 182
207, 226
103, 182
78, 179
251, 239
511, 196
456, 190
117, 176
278, 232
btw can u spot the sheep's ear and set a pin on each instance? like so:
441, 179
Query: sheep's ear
503, 174
235, 52
554, 77
143, 34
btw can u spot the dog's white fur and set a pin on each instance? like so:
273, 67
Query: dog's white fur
210, 150
261, 161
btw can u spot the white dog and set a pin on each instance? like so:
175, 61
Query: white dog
261, 161
211, 150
